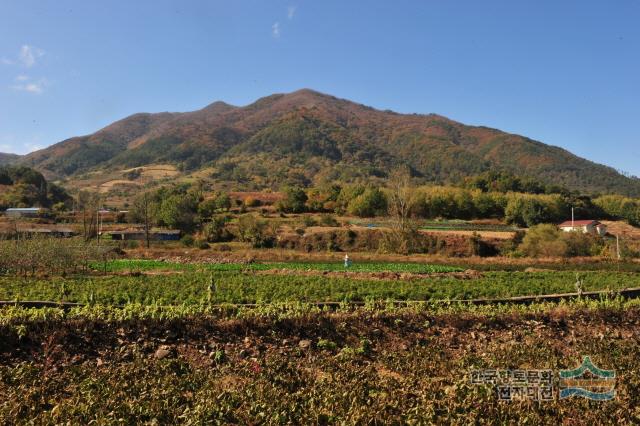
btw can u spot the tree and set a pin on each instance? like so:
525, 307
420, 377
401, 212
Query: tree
294, 200
223, 201
207, 208
372, 202
404, 235
216, 231
178, 211
530, 210
347, 193
88, 204
143, 209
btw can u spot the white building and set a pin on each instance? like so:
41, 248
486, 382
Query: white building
585, 226
24, 212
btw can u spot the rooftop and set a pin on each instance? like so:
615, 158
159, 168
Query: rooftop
569, 223
24, 209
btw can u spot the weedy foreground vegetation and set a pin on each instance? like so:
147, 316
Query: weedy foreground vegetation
299, 364
174, 343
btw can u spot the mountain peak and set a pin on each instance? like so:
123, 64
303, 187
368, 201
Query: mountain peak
310, 134
219, 107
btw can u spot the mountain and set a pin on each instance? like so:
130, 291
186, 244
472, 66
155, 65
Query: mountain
307, 137
8, 158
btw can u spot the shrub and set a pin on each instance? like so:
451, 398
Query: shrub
328, 220
252, 202
548, 240
255, 231
309, 221
327, 344
28, 256
202, 244
544, 241
187, 241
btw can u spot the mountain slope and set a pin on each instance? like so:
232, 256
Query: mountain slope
307, 136
8, 158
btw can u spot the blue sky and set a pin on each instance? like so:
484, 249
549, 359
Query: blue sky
566, 73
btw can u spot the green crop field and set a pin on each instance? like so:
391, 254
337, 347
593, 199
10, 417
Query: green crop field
147, 265
192, 353
192, 287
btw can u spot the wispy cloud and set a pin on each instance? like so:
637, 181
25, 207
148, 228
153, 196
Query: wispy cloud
24, 84
275, 30
291, 11
21, 145
33, 146
29, 55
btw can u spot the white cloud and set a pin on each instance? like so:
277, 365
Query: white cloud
23, 144
275, 30
6, 61
291, 11
29, 55
32, 146
23, 84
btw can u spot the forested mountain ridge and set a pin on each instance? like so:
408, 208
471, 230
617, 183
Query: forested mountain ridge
306, 136
8, 158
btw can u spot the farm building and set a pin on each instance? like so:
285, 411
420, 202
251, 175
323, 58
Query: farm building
139, 235
32, 232
585, 226
57, 233
24, 212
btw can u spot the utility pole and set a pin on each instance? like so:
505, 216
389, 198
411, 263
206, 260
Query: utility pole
145, 202
618, 246
573, 220
98, 225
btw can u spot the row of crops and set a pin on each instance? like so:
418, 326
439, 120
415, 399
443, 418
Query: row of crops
203, 287
15, 314
133, 265
148, 264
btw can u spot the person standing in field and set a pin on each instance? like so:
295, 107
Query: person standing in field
347, 261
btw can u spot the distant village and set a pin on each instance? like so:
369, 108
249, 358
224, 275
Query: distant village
29, 221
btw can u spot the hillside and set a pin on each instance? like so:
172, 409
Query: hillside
307, 137
8, 158
25, 187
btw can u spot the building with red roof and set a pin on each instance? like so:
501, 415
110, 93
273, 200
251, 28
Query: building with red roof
585, 226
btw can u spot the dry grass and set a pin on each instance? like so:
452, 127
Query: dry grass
109, 185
